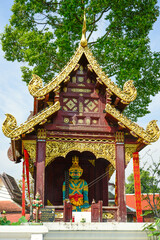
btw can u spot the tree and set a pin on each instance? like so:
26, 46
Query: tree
45, 34
150, 184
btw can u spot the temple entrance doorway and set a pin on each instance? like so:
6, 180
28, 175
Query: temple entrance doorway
95, 173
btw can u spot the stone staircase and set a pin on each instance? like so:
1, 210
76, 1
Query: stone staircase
96, 235
74, 231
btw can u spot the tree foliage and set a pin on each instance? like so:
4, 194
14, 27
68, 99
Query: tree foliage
45, 34
148, 183
153, 229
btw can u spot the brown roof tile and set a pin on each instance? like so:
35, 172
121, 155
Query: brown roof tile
9, 206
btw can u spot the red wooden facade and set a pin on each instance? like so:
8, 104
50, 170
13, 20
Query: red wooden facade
82, 118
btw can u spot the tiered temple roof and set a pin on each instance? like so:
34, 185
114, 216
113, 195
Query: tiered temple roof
117, 99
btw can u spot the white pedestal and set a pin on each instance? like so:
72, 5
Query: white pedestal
79, 216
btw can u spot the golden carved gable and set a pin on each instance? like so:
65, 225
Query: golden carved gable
37, 89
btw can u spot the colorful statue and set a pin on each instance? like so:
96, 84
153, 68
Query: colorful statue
77, 188
37, 204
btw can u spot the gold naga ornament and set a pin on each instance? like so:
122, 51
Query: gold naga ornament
11, 130
151, 134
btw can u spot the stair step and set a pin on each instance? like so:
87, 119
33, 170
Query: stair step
96, 235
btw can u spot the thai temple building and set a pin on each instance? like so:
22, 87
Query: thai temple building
78, 136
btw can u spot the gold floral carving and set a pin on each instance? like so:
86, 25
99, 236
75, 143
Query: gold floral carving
66, 120
41, 134
80, 107
80, 90
70, 104
80, 121
37, 89
110, 170
129, 150
151, 134
88, 121
92, 162
119, 137
81, 79
30, 146
62, 148
83, 139
11, 130
107, 215
58, 214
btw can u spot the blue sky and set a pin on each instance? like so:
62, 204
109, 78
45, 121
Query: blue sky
16, 100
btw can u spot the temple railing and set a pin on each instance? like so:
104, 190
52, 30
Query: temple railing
99, 213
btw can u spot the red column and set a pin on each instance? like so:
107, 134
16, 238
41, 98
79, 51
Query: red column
137, 186
120, 173
23, 189
40, 169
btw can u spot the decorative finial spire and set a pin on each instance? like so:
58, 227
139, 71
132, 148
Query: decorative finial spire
83, 39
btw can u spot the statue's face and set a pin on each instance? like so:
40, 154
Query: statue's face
75, 173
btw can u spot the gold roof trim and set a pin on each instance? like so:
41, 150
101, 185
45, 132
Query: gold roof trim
11, 130
36, 88
151, 134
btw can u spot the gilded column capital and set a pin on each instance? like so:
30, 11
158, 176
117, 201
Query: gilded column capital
41, 133
119, 137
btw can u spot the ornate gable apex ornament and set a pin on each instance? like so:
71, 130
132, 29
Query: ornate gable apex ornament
83, 39
36, 88
151, 134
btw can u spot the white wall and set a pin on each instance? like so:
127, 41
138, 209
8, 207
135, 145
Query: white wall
4, 195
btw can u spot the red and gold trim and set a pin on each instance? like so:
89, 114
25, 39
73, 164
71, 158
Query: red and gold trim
137, 186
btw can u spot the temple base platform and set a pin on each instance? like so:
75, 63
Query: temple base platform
73, 230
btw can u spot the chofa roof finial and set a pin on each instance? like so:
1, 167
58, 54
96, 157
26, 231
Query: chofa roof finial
83, 39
